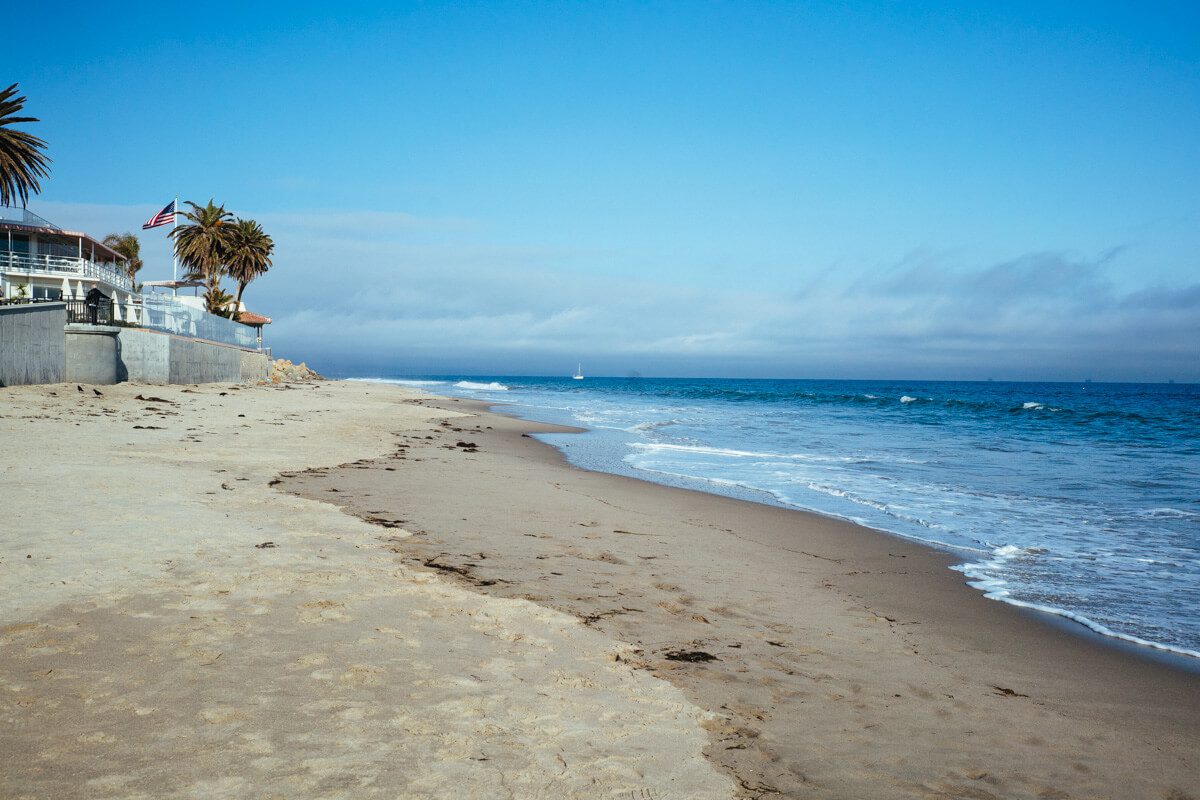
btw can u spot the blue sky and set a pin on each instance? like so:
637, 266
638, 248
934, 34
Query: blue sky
760, 189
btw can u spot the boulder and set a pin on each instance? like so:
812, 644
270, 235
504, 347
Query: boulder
284, 371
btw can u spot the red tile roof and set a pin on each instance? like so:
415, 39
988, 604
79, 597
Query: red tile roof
250, 318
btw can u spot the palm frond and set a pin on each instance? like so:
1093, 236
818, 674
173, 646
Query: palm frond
202, 244
130, 248
249, 255
22, 164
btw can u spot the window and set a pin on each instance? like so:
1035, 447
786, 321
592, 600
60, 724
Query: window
58, 247
46, 293
20, 243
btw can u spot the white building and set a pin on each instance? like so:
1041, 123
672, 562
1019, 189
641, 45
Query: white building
40, 261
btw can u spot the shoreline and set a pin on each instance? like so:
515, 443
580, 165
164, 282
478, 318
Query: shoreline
1167, 655
1182, 659
352, 590
919, 630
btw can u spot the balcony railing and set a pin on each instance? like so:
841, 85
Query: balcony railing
66, 267
155, 312
165, 313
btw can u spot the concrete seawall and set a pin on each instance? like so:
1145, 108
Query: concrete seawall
91, 354
37, 345
161, 358
32, 344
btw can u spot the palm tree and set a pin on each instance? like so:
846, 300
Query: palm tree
202, 246
21, 161
220, 302
128, 246
249, 254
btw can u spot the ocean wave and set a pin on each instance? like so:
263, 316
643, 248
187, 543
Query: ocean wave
723, 451
1007, 552
1168, 513
1035, 406
786, 500
884, 508
1067, 413
401, 381
650, 426
995, 588
481, 387
834, 491
789, 501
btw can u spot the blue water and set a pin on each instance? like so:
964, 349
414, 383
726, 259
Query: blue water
1079, 499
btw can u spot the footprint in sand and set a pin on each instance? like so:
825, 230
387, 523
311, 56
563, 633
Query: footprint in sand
318, 611
362, 675
223, 715
309, 661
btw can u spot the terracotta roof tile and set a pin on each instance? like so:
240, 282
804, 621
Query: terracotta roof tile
250, 318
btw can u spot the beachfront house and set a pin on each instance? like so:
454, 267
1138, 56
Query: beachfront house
70, 313
41, 261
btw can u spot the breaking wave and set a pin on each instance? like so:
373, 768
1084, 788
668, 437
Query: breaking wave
400, 381
481, 387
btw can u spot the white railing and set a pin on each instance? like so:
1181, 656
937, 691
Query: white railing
65, 266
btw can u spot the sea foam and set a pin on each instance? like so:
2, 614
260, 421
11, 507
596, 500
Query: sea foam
995, 588
481, 387
730, 453
401, 381
650, 426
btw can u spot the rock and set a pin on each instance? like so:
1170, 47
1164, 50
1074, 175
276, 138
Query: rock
284, 371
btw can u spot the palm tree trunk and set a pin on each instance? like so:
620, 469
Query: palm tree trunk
214, 286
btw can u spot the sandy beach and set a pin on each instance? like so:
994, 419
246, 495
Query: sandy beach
172, 626
355, 590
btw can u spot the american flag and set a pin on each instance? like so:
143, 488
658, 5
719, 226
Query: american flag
164, 217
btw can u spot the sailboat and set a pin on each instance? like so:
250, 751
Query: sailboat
578, 372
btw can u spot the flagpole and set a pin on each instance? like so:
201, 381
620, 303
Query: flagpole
174, 255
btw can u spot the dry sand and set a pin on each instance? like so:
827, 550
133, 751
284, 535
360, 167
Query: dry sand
172, 627
838, 662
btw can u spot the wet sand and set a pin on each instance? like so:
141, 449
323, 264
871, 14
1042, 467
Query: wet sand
837, 662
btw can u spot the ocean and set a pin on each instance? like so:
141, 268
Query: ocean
1079, 499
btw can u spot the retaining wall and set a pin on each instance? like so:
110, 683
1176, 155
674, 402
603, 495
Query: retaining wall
91, 354
194, 361
255, 366
153, 357
38, 346
32, 344
143, 356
